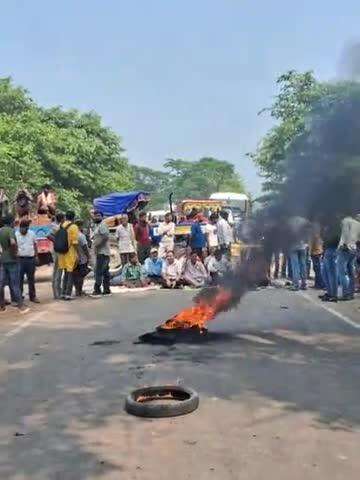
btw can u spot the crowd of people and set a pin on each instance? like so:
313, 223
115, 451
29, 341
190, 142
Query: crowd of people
333, 253
149, 256
147, 252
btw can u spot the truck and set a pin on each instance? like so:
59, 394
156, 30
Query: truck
184, 220
236, 204
41, 225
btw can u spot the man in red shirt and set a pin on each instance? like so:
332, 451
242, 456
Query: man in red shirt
142, 235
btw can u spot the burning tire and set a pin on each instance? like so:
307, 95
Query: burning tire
162, 401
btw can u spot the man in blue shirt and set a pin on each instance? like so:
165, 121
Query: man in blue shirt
197, 236
153, 266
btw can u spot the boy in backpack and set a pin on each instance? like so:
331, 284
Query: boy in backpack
66, 244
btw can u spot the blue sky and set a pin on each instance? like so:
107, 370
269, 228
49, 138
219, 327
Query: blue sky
175, 78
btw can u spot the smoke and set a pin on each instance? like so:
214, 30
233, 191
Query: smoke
349, 64
321, 183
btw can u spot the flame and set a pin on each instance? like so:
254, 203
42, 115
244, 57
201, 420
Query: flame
198, 315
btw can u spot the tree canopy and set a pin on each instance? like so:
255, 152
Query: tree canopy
311, 159
82, 159
71, 151
188, 179
298, 93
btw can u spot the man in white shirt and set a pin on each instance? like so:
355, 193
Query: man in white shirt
171, 271
126, 238
350, 235
27, 253
225, 233
211, 232
217, 265
195, 274
167, 232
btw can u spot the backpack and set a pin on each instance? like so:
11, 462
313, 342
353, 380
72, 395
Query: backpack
61, 241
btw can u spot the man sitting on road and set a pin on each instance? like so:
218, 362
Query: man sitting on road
195, 274
153, 266
171, 271
132, 274
217, 265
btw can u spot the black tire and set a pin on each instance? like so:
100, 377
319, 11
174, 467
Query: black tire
187, 402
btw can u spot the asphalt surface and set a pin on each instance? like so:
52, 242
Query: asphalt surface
279, 391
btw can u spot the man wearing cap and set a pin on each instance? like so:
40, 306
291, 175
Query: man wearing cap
153, 266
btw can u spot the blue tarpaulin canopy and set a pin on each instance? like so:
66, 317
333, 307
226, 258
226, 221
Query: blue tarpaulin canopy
117, 203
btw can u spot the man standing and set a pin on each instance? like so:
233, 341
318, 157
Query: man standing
155, 237
27, 253
23, 203
9, 266
350, 234
57, 273
81, 269
211, 233
102, 255
126, 237
46, 201
299, 234
316, 252
142, 235
225, 233
4, 204
66, 245
167, 232
331, 237
197, 236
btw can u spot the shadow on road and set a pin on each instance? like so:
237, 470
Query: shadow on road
59, 400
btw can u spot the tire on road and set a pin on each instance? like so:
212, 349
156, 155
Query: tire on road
186, 401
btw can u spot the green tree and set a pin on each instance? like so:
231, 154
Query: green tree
299, 92
311, 159
155, 182
199, 179
186, 179
72, 151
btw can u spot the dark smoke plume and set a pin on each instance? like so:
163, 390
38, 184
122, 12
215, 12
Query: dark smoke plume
321, 185
349, 65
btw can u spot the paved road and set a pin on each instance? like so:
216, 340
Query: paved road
279, 393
